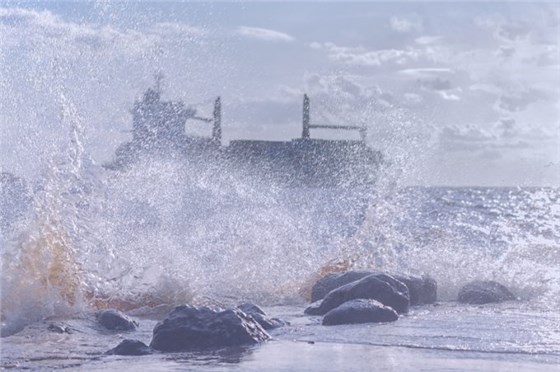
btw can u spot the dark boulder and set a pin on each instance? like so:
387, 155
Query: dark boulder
360, 311
60, 328
381, 287
189, 328
114, 320
422, 290
130, 347
336, 280
314, 308
483, 292
259, 315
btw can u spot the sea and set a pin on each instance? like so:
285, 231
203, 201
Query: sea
165, 232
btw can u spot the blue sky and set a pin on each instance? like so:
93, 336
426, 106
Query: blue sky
454, 93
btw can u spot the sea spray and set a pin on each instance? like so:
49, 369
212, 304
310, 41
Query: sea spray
460, 234
42, 275
220, 236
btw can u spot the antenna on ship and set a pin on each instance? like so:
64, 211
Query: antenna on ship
158, 77
217, 128
306, 122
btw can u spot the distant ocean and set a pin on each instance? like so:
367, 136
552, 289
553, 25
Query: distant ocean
162, 234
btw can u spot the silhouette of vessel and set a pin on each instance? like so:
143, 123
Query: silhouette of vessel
159, 130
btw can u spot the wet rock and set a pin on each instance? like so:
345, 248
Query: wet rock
314, 308
381, 287
336, 280
259, 315
114, 320
130, 347
422, 289
189, 328
484, 291
360, 311
249, 308
59, 328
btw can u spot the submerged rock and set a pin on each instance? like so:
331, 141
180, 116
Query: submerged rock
360, 311
483, 292
259, 315
381, 287
130, 347
422, 289
114, 320
189, 328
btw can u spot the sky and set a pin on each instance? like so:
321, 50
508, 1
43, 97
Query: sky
454, 93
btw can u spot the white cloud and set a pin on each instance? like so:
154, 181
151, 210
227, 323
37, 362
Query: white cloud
32, 29
449, 96
413, 98
263, 34
403, 24
426, 71
360, 56
179, 29
426, 40
436, 83
505, 52
511, 31
504, 135
515, 100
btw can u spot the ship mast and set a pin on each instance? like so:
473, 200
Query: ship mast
306, 121
307, 124
158, 77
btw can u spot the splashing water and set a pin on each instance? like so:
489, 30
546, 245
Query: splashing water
511, 235
169, 231
172, 230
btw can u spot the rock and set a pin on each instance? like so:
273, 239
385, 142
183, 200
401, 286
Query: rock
483, 292
249, 308
130, 347
422, 290
314, 308
189, 328
259, 315
336, 280
114, 320
59, 328
360, 311
381, 287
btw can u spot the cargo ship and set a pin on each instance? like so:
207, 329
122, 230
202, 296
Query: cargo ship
159, 129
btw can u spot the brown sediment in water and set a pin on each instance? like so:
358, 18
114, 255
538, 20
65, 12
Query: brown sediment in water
100, 301
46, 265
333, 266
49, 260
